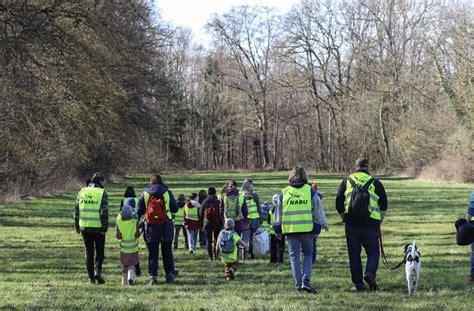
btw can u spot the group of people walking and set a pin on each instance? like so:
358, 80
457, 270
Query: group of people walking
228, 220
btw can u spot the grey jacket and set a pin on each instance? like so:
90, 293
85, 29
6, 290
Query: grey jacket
104, 213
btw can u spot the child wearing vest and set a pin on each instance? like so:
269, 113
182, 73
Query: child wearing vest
230, 259
128, 233
277, 246
191, 221
178, 220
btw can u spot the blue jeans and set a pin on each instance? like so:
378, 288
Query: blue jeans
315, 249
472, 259
192, 234
166, 253
305, 242
358, 237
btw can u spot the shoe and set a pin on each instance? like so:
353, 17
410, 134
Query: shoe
298, 290
91, 281
370, 280
227, 278
99, 279
175, 247
357, 290
175, 273
191, 252
211, 258
309, 289
169, 278
153, 281
470, 278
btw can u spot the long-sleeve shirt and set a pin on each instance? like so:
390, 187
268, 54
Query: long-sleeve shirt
470, 206
103, 211
319, 216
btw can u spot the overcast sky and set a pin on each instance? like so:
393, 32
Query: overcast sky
194, 14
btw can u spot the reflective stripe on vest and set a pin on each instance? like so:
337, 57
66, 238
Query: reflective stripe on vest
179, 217
297, 215
166, 198
90, 200
191, 213
128, 243
360, 178
252, 208
231, 257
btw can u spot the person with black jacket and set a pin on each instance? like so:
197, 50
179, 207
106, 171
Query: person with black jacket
91, 220
211, 220
362, 231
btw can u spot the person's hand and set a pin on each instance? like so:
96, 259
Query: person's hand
279, 236
78, 231
315, 235
326, 228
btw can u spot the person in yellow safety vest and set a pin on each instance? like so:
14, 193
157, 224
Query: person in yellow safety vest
254, 217
91, 219
298, 215
191, 221
230, 259
362, 228
127, 232
178, 219
233, 205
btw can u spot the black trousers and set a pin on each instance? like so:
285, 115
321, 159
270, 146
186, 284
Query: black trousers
277, 249
94, 241
212, 234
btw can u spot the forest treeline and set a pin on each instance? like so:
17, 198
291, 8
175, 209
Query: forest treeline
109, 86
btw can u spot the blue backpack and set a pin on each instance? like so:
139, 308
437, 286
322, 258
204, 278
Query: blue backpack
227, 241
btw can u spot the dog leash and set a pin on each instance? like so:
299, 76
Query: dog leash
384, 257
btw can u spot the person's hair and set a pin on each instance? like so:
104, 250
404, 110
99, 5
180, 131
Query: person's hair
88, 181
224, 188
362, 163
98, 178
247, 186
233, 183
129, 193
181, 197
202, 194
193, 196
298, 173
211, 191
155, 179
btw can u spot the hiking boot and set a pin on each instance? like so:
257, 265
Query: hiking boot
354, 289
309, 289
470, 278
169, 278
91, 281
153, 281
370, 280
99, 279
191, 252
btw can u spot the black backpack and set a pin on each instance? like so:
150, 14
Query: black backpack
360, 200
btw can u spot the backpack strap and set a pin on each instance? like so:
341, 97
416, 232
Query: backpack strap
368, 183
353, 184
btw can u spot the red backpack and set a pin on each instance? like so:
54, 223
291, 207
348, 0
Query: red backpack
211, 212
156, 211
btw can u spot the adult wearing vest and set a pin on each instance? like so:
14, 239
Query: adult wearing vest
91, 219
239, 213
212, 226
161, 234
254, 218
362, 233
298, 216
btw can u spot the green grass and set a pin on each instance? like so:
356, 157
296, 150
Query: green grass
42, 258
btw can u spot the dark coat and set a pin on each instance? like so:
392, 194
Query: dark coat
157, 233
465, 232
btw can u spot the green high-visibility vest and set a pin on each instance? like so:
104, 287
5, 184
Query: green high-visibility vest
179, 217
270, 215
252, 208
233, 211
191, 212
128, 243
166, 198
90, 200
360, 178
231, 257
297, 215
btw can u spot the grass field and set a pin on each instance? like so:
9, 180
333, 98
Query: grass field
42, 258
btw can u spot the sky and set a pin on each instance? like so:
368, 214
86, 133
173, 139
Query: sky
195, 14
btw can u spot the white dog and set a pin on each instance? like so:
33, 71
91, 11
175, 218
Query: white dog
412, 266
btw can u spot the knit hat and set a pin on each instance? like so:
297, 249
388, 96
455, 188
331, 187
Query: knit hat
275, 199
127, 211
362, 162
229, 224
